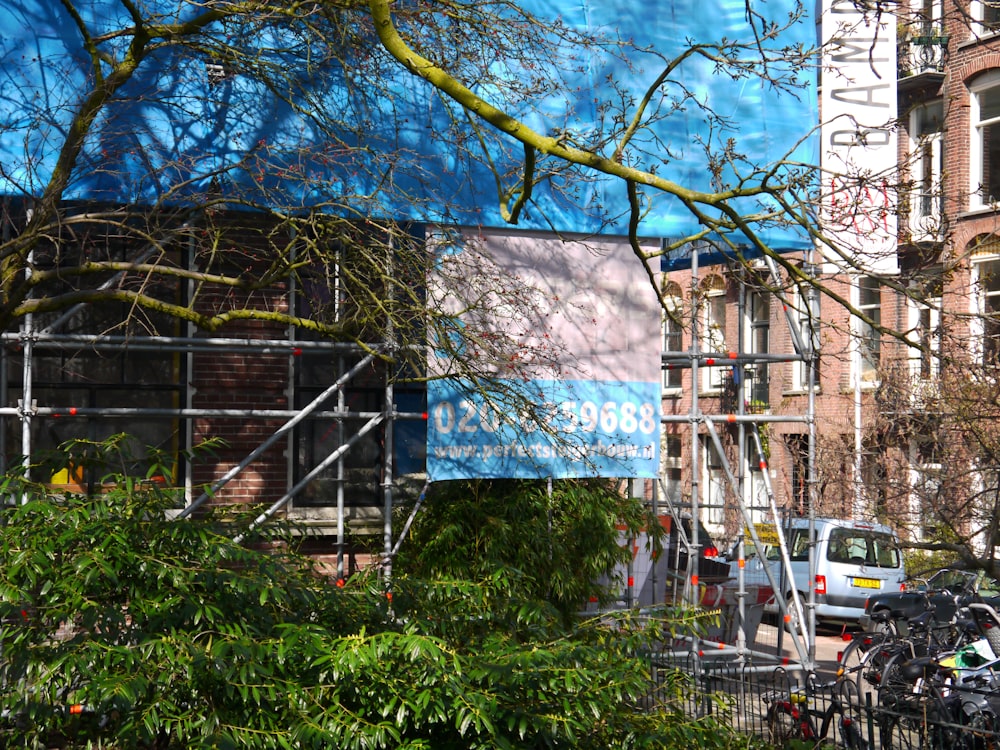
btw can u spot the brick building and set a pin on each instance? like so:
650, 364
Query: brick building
892, 440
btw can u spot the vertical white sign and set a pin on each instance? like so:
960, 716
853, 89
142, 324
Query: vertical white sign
859, 159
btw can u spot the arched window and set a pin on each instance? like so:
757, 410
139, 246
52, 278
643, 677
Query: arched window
673, 335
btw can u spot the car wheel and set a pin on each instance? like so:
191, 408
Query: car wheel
792, 624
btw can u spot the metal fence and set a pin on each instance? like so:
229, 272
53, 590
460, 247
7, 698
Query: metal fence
787, 706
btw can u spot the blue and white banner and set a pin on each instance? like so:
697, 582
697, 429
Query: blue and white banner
175, 130
568, 338
567, 429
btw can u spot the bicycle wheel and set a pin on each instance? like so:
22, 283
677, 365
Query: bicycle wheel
783, 724
861, 663
981, 730
850, 659
903, 733
899, 689
871, 673
851, 721
850, 697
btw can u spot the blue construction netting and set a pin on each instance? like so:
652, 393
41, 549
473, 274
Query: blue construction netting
180, 127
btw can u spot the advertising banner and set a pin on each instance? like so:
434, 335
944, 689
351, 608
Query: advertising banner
858, 134
572, 388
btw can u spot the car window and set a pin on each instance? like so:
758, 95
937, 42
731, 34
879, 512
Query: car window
863, 547
798, 546
953, 580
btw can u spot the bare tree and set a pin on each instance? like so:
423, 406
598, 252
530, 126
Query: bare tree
323, 172
194, 169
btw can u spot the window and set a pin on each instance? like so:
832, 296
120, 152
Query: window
986, 15
759, 342
985, 141
798, 449
672, 335
92, 379
714, 316
928, 17
874, 475
929, 333
926, 473
359, 473
922, 43
672, 468
715, 484
860, 547
986, 330
928, 158
869, 338
925, 327
756, 488
807, 325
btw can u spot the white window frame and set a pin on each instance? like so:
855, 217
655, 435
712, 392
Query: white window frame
671, 459
672, 380
714, 482
927, 167
930, 18
984, 300
807, 326
986, 478
922, 476
923, 47
981, 10
713, 330
987, 83
925, 331
755, 487
756, 324
869, 354
757, 340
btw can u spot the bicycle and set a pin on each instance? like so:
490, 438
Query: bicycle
796, 714
869, 657
939, 704
862, 658
928, 644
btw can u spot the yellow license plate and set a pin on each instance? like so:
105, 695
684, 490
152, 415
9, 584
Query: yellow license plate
867, 583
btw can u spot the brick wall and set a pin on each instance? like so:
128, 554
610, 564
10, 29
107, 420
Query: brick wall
242, 381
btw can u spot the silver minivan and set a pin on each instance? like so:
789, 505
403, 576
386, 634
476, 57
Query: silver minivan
854, 559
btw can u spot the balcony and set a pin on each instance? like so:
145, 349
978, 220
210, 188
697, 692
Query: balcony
921, 54
751, 386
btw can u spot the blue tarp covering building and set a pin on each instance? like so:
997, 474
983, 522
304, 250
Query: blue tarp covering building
183, 124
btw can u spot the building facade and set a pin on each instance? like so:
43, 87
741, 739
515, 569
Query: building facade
903, 390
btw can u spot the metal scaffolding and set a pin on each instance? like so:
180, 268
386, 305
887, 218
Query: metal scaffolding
746, 423
31, 342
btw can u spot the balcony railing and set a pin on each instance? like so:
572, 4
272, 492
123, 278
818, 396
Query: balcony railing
921, 49
751, 386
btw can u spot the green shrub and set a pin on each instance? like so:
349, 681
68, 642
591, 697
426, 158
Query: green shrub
173, 636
